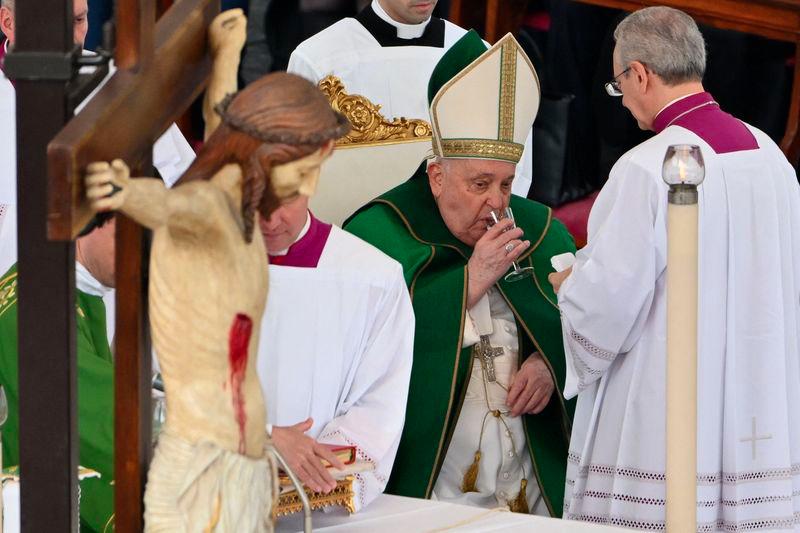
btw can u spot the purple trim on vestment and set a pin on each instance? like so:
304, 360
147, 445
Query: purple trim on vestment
306, 252
702, 116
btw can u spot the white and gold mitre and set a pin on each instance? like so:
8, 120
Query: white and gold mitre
483, 102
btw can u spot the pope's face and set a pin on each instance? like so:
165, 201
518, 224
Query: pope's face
466, 190
281, 229
408, 11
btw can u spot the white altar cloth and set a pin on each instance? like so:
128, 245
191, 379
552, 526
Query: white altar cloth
397, 514
392, 514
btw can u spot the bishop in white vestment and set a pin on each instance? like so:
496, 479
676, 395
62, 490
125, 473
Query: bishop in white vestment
613, 308
336, 346
389, 63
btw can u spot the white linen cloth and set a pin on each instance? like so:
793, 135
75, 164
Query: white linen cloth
398, 514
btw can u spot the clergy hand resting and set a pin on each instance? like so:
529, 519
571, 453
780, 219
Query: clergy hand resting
557, 278
305, 455
492, 257
531, 387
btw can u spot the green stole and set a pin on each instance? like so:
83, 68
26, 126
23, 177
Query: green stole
95, 399
405, 224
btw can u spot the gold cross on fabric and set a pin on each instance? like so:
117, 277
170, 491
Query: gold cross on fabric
486, 353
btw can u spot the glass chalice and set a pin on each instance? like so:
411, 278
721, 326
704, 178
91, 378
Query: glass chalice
517, 273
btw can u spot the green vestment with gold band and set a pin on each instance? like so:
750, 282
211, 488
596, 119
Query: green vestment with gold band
405, 224
95, 399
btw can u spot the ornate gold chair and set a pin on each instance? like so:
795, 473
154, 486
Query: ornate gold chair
377, 155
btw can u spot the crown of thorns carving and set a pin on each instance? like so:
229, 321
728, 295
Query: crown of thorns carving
317, 138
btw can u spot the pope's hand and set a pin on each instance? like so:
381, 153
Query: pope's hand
531, 387
228, 32
305, 455
107, 185
492, 257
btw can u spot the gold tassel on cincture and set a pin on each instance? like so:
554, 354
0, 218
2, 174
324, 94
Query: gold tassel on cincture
470, 481
520, 503
469, 484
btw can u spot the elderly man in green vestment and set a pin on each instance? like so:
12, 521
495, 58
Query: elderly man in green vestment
486, 423
94, 274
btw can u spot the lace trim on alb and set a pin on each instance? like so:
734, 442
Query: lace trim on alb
362, 457
703, 503
703, 478
707, 527
590, 348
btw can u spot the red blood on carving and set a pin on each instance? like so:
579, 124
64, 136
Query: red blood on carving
238, 342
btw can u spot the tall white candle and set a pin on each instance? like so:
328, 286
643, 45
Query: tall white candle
683, 171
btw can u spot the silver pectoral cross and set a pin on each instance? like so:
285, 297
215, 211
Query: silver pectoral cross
486, 353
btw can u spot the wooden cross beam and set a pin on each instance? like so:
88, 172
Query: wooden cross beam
161, 71
149, 91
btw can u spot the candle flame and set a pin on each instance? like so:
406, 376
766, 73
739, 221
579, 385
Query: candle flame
681, 170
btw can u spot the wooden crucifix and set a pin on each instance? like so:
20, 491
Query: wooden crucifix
162, 69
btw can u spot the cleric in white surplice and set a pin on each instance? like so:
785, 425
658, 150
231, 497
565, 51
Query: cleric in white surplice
387, 54
613, 307
335, 349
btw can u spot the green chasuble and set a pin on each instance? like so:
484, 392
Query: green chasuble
95, 399
405, 224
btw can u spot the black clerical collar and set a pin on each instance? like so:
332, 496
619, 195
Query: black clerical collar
386, 34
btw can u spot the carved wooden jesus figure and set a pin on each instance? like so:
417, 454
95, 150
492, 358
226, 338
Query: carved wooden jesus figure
208, 288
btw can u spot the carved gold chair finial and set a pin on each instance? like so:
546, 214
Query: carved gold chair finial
369, 125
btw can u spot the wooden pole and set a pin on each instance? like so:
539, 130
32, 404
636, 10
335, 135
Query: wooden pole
48, 433
132, 377
136, 21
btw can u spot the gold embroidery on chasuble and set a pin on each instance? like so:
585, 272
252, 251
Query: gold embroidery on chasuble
8, 292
